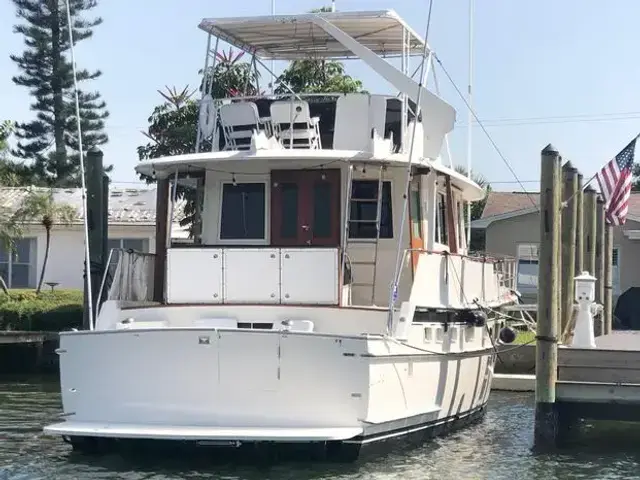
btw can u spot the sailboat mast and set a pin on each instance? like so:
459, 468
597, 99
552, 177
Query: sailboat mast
469, 116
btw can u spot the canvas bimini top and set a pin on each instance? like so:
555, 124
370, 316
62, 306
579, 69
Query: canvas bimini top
291, 37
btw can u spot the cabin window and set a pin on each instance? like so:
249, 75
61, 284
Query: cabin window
441, 219
363, 210
242, 216
415, 210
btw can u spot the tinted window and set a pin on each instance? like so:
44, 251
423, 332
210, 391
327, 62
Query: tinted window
322, 209
364, 209
243, 210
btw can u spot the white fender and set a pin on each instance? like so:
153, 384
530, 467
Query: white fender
207, 119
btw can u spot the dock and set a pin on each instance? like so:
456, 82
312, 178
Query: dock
601, 383
28, 352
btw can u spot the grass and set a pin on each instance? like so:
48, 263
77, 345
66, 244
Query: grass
524, 336
49, 311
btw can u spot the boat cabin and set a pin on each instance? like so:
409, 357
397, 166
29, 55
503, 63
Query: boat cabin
326, 199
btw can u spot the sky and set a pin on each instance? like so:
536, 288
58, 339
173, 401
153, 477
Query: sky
561, 72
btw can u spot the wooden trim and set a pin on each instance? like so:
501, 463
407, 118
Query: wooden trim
451, 223
162, 233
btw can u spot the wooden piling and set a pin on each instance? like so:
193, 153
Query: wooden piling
607, 313
590, 230
579, 267
546, 425
568, 235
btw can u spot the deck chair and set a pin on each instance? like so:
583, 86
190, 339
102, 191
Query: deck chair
238, 121
306, 130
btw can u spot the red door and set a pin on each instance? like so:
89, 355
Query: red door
305, 208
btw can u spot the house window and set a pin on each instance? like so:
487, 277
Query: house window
137, 244
527, 257
18, 268
364, 208
242, 215
615, 272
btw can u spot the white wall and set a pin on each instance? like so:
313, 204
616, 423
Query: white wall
66, 255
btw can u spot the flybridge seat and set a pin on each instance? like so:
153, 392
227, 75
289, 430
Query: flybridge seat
294, 125
331, 121
239, 121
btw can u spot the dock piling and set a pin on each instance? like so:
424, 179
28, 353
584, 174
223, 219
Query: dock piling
546, 419
569, 216
607, 313
600, 260
590, 231
579, 264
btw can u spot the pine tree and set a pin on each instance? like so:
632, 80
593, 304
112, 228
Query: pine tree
50, 141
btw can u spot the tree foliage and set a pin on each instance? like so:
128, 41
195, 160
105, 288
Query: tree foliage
476, 207
317, 76
50, 141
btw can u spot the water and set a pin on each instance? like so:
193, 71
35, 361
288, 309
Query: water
498, 448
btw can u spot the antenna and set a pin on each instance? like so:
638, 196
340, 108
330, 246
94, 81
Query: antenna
84, 186
273, 63
469, 117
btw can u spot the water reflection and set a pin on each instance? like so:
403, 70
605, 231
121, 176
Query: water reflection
498, 448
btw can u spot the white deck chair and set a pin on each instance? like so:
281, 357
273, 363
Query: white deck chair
306, 130
239, 120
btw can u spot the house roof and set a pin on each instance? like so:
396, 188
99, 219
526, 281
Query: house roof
504, 205
504, 202
128, 206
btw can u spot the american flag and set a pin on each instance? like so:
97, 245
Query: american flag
615, 184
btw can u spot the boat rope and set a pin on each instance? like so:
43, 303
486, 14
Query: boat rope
393, 294
85, 208
467, 354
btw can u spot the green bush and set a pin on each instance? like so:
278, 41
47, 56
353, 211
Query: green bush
49, 311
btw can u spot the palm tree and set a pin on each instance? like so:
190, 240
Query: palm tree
476, 207
39, 206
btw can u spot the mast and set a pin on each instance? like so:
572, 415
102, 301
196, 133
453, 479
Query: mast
469, 117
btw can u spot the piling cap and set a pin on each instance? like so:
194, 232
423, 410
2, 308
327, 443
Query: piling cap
550, 150
567, 165
590, 189
585, 277
94, 150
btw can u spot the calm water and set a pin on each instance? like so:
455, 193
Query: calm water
498, 448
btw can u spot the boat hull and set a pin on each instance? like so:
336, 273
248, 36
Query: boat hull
334, 395
358, 448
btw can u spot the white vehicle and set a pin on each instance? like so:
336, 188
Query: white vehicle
327, 296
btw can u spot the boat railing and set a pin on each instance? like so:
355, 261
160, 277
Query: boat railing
129, 277
466, 276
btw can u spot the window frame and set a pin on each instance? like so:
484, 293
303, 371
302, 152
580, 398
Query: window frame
529, 289
146, 242
615, 271
32, 264
244, 241
390, 216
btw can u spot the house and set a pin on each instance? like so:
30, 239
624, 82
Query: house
131, 225
511, 225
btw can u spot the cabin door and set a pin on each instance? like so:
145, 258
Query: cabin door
415, 219
305, 208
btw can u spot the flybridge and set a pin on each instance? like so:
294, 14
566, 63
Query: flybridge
370, 36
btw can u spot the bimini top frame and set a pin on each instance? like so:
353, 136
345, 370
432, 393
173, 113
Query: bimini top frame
294, 37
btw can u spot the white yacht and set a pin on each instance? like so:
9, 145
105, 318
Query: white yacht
327, 296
